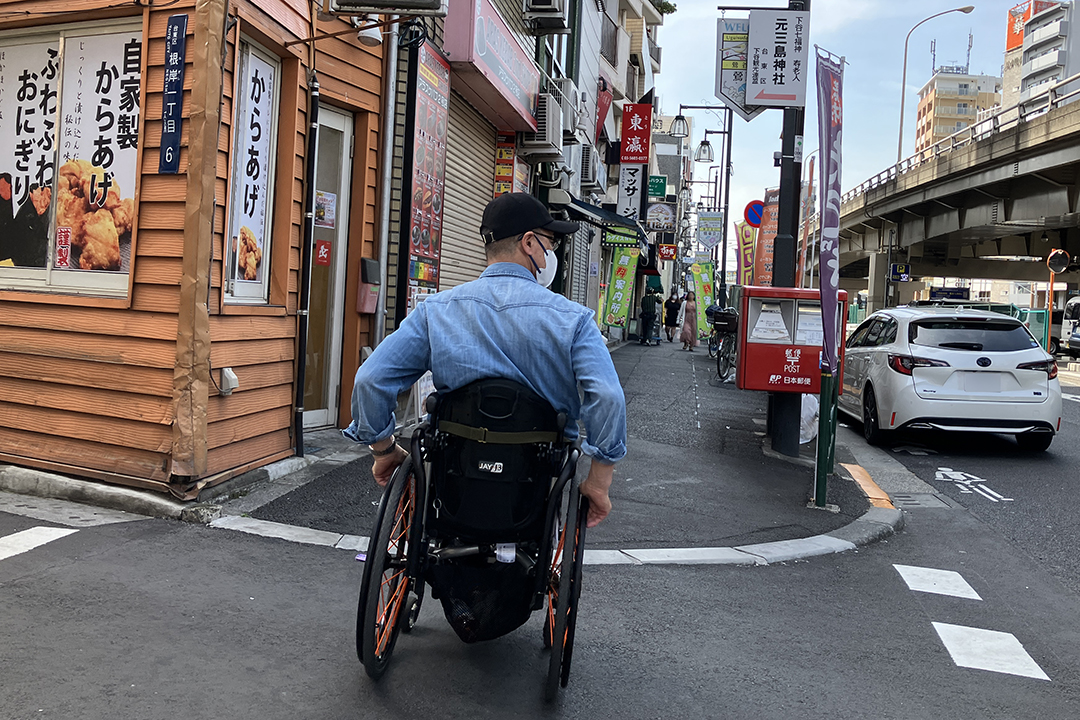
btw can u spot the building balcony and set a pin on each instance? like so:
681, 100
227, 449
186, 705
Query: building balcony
616, 70
654, 53
1045, 34
1041, 63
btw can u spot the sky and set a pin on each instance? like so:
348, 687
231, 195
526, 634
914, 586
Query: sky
870, 35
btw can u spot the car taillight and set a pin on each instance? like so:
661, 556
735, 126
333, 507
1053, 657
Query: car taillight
904, 364
1047, 366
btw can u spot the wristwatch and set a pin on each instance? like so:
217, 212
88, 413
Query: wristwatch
380, 453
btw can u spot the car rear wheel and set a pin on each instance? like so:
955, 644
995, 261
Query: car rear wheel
871, 426
1054, 347
1034, 442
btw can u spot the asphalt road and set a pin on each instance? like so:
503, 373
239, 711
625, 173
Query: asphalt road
1042, 488
158, 619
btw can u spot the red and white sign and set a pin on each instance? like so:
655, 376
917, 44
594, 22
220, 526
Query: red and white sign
1018, 15
636, 133
322, 252
667, 252
604, 96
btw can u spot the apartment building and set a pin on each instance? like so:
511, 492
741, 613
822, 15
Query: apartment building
950, 101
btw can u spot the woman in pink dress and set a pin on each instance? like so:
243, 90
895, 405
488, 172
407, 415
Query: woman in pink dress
688, 314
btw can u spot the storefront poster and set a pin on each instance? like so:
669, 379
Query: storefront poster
766, 235
325, 209
28, 99
703, 288
505, 164
250, 225
745, 233
621, 286
428, 167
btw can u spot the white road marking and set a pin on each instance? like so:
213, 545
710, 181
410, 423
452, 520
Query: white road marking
988, 650
1074, 398
914, 450
966, 482
939, 582
62, 512
20, 542
292, 533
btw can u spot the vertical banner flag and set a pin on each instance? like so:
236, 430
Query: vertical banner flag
636, 133
731, 42
766, 236
745, 232
807, 211
620, 286
710, 228
703, 287
830, 81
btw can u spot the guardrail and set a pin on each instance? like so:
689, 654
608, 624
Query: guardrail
1004, 119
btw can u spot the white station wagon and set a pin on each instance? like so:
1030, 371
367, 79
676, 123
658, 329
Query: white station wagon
950, 369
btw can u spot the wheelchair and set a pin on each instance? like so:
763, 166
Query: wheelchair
485, 511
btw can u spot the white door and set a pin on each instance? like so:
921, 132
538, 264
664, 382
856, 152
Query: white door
322, 379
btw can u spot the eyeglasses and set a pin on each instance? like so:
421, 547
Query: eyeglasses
554, 240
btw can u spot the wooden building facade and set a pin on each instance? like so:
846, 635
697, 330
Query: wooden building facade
155, 161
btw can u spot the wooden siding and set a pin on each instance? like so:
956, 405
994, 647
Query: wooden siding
88, 389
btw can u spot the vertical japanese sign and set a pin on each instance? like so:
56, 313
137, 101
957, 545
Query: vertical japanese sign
28, 97
746, 236
621, 286
431, 117
703, 288
830, 82
777, 54
710, 228
505, 150
731, 43
766, 236
99, 148
636, 133
631, 190
252, 162
172, 100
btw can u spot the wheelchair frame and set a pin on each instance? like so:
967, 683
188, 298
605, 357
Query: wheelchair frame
400, 551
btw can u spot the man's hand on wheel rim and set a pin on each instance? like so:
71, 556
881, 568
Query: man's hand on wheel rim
384, 466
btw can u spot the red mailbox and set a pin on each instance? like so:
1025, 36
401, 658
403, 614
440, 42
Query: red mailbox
780, 339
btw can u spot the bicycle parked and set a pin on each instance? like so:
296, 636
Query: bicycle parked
723, 339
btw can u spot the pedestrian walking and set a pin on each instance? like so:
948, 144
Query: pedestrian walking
648, 316
671, 315
688, 322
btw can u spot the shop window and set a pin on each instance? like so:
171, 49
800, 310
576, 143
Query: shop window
69, 138
257, 92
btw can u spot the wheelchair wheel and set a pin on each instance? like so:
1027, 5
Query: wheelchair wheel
384, 606
563, 593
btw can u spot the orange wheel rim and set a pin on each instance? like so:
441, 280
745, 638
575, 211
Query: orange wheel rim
394, 583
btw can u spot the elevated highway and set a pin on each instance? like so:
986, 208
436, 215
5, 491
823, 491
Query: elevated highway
991, 201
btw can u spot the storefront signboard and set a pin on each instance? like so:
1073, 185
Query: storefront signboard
620, 237
636, 133
428, 169
621, 286
661, 217
668, 252
658, 186
172, 102
251, 227
778, 49
631, 191
492, 70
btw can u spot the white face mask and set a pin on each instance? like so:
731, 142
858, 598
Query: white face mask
547, 276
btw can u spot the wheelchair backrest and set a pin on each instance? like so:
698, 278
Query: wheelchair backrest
496, 446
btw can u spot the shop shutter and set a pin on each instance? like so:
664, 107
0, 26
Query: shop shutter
579, 267
470, 182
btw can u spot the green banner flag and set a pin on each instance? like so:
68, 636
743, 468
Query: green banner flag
703, 288
620, 291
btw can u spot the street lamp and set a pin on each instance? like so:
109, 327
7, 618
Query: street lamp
903, 82
679, 127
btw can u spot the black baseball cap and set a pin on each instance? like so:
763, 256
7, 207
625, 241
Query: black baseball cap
516, 213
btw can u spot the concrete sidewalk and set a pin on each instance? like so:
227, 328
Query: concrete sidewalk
699, 483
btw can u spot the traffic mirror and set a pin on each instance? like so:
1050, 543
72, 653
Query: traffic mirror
1058, 261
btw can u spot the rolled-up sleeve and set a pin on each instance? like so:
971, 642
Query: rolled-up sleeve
603, 408
397, 363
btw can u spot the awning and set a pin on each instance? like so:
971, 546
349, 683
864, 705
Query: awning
598, 216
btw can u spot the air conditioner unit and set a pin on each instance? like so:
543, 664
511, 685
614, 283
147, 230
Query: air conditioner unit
547, 141
590, 167
435, 8
548, 16
571, 101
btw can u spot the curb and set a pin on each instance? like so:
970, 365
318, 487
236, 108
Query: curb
39, 483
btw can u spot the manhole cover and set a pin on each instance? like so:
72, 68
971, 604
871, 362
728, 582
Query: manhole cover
919, 500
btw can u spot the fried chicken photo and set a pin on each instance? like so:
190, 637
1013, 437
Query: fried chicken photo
95, 229
101, 250
248, 255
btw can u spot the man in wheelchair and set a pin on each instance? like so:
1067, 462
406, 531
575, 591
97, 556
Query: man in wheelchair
507, 341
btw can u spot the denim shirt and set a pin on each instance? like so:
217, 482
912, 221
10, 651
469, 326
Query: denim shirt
504, 324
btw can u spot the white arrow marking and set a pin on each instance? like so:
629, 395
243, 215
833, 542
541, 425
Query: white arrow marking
914, 450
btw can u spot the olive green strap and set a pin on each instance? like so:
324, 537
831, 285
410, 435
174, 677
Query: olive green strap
496, 438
